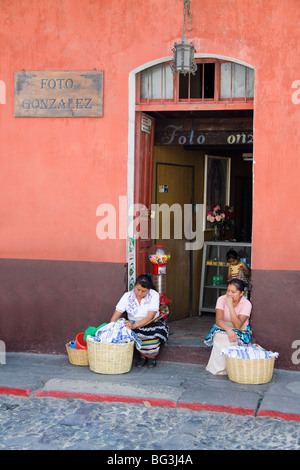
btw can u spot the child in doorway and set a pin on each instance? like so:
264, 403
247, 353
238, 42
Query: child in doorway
237, 269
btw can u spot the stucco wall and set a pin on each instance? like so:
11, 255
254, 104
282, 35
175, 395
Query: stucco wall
55, 172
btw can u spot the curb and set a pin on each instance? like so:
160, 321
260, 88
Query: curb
21, 392
149, 402
107, 398
217, 408
146, 401
168, 403
279, 414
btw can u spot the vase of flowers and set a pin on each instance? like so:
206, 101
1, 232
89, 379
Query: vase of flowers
216, 233
220, 220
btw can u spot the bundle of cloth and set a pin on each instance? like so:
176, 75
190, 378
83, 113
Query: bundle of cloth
115, 332
248, 352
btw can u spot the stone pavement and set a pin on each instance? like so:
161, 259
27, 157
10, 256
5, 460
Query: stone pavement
139, 431
170, 384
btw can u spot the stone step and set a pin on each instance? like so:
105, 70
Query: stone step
184, 354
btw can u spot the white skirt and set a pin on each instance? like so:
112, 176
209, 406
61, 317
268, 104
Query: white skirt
217, 363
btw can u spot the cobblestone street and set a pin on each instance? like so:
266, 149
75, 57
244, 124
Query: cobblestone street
71, 424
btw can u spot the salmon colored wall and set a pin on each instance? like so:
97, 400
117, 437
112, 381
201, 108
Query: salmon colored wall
55, 172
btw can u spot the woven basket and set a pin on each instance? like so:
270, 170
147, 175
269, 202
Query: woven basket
78, 357
110, 358
250, 371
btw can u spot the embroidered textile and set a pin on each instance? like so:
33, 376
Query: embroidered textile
150, 347
248, 352
136, 311
116, 332
244, 337
158, 329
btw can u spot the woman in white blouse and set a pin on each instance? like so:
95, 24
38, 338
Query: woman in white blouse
142, 307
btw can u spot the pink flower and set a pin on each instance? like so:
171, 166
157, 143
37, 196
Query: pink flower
217, 217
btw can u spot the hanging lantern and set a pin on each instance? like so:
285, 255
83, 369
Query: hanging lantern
183, 61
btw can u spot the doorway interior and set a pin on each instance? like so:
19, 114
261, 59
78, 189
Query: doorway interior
182, 140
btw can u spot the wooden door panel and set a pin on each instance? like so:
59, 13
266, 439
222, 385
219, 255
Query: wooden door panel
177, 181
145, 128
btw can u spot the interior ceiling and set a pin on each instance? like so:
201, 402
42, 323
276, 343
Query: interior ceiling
201, 114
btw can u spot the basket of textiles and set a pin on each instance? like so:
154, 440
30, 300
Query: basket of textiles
110, 350
110, 358
249, 364
77, 357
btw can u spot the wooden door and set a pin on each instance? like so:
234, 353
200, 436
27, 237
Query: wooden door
145, 127
175, 185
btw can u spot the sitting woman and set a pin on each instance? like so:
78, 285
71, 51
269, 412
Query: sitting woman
142, 307
232, 325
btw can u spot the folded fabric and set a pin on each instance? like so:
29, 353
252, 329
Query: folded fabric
248, 352
92, 330
115, 332
244, 337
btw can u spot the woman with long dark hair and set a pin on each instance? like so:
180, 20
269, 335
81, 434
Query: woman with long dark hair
232, 325
142, 308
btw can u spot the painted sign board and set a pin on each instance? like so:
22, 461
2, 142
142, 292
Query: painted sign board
146, 124
58, 94
178, 135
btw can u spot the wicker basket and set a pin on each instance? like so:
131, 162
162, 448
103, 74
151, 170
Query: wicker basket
110, 358
78, 357
250, 371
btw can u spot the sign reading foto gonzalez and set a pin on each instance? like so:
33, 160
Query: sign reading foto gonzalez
59, 94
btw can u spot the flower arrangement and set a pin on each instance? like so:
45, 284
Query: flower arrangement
217, 217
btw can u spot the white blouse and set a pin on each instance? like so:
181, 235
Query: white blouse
136, 311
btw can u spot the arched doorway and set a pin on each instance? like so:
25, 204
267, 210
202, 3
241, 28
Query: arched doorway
209, 114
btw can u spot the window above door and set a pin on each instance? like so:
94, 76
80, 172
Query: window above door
220, 84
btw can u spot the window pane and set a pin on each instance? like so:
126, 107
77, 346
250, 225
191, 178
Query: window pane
238, 81
153, 79
225, 80
155, 82
144, 85
167, 82
250, 83
196, 83
183, 86
209, 80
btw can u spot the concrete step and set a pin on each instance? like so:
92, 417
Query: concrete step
185, 343
184, 354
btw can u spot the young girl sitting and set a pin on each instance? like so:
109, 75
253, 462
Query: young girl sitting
237, 269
